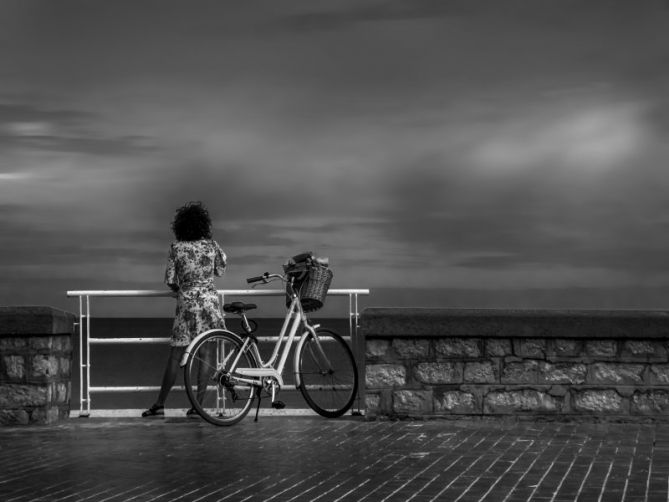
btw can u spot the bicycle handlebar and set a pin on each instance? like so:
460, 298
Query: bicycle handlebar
259, 278
263, 278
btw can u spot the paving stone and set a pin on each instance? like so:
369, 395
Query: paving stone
311, 458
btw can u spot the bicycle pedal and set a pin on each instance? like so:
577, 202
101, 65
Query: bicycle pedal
278, 405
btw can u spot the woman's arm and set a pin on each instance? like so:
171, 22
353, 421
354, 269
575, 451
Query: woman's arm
170, 271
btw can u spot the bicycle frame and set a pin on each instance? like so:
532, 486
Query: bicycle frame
295, 317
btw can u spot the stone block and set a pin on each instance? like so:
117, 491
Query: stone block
565, 347
12, 344
562, 373
654, 402
525, 400
601, 348
14, 417
520, 372
498, 347
15, 367
372, 402
44, 366
439, 373
659, 374
481, 372
598, 401
411, 349
62, 393
530, 347
456, 402
458, 347
41, 343
385, 375
45, 415
62, 343
18, 395
376, 348
647, 350
64, 366
412, 402
615, 373
558, 390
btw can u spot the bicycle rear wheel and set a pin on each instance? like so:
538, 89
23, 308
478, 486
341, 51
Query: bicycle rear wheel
212, 389
328, 377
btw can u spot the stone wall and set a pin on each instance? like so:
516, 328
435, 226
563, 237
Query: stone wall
35, 364
440, 362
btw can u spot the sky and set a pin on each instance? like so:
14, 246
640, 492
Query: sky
442, 153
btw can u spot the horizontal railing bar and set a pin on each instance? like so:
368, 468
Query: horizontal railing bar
113, 341
134, 388
153, 388
225, 292
127, 340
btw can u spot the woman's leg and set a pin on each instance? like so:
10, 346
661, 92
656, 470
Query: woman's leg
206, 369
170, 375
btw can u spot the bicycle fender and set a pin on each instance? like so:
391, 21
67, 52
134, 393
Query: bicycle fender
189, 349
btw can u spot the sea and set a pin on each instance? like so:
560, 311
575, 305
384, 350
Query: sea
122, 365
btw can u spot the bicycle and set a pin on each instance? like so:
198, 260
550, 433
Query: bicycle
224, 371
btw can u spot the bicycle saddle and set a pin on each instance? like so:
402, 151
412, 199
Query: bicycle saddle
238, 307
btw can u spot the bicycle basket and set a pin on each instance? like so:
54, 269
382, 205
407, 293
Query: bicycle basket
313, 288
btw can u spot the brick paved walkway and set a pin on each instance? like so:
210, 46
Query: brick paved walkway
309, 459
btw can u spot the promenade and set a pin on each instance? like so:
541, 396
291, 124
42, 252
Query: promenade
351, 459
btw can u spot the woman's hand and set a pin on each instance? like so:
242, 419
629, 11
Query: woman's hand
174, 290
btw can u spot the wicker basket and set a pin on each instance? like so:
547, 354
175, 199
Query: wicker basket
313, 289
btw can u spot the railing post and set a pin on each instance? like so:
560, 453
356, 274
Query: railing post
358, 348
82, 316
88, 355
84, 362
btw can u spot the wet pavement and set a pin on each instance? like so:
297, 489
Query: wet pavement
312, 458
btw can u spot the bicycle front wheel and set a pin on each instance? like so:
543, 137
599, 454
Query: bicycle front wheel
212, 389
328, 377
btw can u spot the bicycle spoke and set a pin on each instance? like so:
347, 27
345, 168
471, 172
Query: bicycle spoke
328, 375
213, 391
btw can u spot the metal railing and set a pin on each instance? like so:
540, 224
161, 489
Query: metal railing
85, 341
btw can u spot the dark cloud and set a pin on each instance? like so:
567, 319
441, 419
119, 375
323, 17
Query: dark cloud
534, 218
429, 134
44, 248
112, 146
20, 112
29, 127
252, 234
658, 116
384, 10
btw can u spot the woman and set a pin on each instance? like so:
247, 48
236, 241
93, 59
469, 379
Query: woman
193, 262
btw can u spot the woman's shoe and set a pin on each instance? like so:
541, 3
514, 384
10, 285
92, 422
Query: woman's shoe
154, 412
192, 413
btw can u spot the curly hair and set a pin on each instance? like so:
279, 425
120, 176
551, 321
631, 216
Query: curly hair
192, 222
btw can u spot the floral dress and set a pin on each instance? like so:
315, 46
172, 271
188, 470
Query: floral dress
192, 266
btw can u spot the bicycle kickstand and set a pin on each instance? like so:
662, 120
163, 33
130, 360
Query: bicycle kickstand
258, 405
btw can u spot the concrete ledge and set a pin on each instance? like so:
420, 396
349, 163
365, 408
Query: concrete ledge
423, 322
35, 320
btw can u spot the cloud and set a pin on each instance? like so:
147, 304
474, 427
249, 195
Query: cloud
21, 113
361, 12
590, 137
25, 127
425, 142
